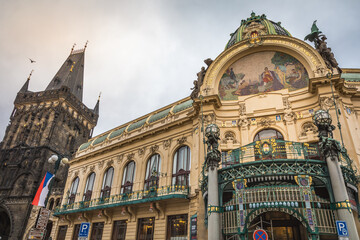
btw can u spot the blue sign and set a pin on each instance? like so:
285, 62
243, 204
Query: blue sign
260, 234
84, 229
342, 229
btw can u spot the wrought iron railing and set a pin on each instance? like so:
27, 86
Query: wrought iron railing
271, 149
273, 157
126, 198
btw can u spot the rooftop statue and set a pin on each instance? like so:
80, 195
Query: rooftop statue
318, 38
200, 79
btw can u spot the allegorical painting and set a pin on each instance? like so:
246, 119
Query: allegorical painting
260, 73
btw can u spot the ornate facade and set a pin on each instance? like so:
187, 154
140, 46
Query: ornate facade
148, 179
54, 121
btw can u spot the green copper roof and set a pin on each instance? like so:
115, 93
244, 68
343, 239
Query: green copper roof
130, 127
351, 77
159, 115
100, 139
136, 125
256, 26
117, 132
183, 106
85, 145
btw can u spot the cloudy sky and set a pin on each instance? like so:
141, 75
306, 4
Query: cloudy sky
143, 55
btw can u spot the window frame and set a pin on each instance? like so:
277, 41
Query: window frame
87, 191
169, 231
106, 190
148, 183
127, 187
178, 174
72, 193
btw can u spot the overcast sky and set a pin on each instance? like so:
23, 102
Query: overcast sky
143, 55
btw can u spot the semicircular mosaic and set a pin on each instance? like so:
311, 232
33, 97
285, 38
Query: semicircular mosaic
262, 72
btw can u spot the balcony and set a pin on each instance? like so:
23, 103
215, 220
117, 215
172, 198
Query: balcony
155, 194
272, 158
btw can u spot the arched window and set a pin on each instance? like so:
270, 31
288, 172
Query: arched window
267, 148
89, 187
128, 178
57, 202
181, 166
73, 190
107, 181
267, 134
152, 171
51, 204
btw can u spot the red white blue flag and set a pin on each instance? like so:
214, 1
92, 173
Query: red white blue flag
43, 190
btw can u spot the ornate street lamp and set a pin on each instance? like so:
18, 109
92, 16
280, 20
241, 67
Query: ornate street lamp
59, 160
322, 120
213, 157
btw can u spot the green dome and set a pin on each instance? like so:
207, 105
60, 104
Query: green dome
254, 27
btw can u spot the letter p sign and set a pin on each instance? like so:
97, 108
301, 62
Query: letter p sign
84, 229
342, 229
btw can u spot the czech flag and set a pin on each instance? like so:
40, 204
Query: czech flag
43, 190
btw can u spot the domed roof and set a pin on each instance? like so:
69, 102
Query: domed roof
254, 27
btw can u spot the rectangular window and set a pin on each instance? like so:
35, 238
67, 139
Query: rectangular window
146, 229
62, 233
119, 230
76, 232
97, 231
177, 227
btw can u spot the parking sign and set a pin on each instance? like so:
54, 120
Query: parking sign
84, 229
342, 229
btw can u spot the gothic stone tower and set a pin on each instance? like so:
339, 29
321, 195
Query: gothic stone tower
41, 124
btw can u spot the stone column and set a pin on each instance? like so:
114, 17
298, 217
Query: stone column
331, 149
213, 205
213, 157
342, 204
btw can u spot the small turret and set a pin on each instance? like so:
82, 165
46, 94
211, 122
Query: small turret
96, 108
25, 87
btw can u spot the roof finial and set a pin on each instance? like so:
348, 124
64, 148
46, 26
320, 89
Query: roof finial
72, 49
99, 96
30, 74
86, 44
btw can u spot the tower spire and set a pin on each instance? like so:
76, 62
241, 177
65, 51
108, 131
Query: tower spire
25, 87
71, 73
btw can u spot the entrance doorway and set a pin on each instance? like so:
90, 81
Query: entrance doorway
4, 225
279, 226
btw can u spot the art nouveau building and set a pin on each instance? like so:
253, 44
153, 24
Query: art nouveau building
146, 178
